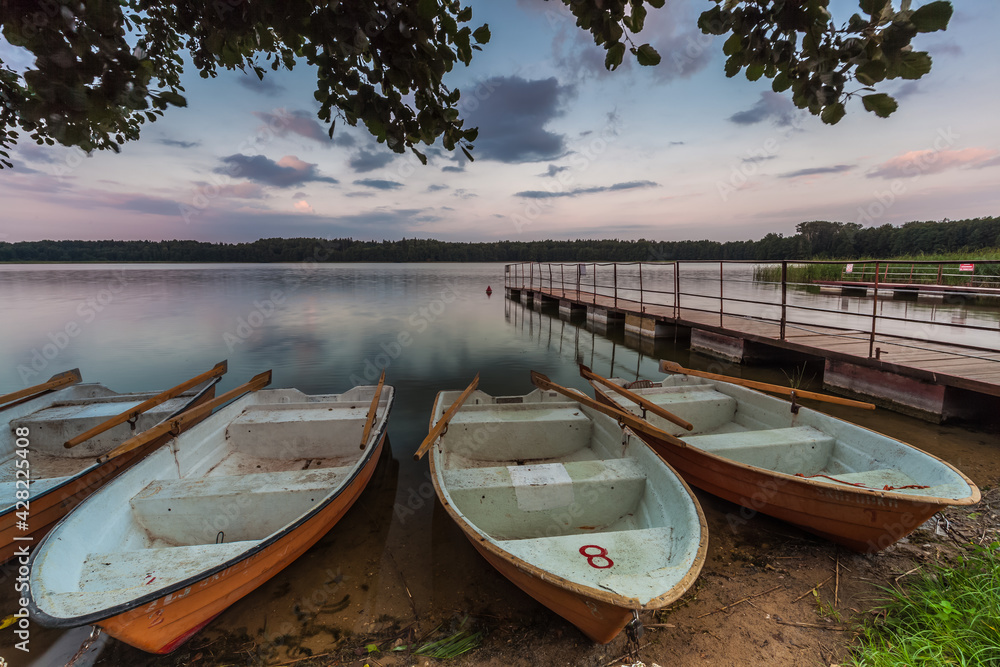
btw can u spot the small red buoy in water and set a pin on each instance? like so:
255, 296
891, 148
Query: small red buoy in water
489, 290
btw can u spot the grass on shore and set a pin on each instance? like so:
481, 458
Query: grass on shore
947, 616
864, 268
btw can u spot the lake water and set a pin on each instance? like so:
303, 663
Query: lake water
396, 558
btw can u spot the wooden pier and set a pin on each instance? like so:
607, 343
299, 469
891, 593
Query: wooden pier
926, 372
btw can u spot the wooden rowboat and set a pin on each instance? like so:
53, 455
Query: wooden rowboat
830, 477
577, 513
43, 479
156, 554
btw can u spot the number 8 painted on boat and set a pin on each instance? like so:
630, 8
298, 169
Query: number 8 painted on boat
602, 553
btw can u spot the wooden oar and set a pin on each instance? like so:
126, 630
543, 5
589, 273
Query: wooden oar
133, 413
671, 367
193, 415
623, 418
55, 382
635, 398
436, 430
371, 411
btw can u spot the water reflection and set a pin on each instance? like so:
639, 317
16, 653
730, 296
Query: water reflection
396, 564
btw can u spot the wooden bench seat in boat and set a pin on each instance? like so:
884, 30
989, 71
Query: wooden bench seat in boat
791, 450
242, 507
106, 571
489, 433
535, 500
703, 406
298, 430
53, 426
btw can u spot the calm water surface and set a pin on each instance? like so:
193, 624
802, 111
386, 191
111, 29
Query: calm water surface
396, 559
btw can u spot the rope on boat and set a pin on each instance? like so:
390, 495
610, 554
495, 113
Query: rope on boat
887, 487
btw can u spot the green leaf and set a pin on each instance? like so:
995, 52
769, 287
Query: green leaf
913, 65
755, 71
616, 52
833, 113
932, 17
427, 9
482, 33
781, 83
170, 97
647, 56
733, 45
656, 4
880, 104
872, 7
371, 648
870, 73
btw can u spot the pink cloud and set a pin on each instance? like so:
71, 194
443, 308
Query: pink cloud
302, 206
919, 163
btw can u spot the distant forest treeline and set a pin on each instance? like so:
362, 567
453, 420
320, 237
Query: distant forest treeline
812, 240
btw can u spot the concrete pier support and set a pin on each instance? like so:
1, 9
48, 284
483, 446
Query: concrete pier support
570, 309
650, 327
527, 297
605, 316
898, 392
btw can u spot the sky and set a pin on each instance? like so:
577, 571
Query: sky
566, 149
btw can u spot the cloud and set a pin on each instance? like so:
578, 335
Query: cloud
815, 171
453, 169
265, 86
512, 116
436, 187
365, 160
919, 163
144, 204
770, 106
378, 184
553, 170
302, 206
551, 194
244, 190
176, 143
303, 124
286, 172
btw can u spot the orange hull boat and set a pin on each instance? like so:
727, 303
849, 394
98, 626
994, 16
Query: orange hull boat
831, 478
205, 520
583, 518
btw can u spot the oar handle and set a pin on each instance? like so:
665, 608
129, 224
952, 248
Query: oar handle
183, 420
372, 409
657, 410
623, 418
671, 367
132, 413
441, 423
55, 382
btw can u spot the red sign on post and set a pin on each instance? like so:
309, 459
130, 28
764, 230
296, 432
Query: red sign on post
966, 267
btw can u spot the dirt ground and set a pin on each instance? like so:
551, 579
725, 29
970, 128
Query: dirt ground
768, 594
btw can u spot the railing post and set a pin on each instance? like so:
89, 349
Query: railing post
871, 339
562, 280
615, 278
552, 289
677, 290
784, 295
722, 299
642, 308
595, 283
531, 276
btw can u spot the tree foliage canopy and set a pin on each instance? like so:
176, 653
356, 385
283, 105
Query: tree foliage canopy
103, 68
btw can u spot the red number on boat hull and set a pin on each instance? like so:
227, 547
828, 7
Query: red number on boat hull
601, 554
